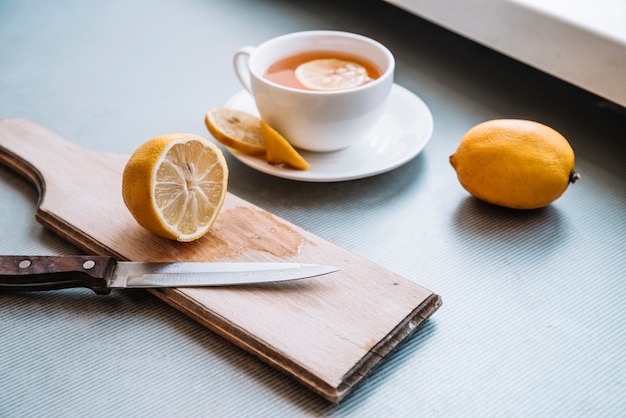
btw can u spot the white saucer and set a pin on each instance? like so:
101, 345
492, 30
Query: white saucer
401, 134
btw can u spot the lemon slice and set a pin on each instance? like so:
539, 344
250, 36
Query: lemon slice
250, 135
279, 150
236, 129
331, 74
175, 185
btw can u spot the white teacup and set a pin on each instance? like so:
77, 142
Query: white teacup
310, 119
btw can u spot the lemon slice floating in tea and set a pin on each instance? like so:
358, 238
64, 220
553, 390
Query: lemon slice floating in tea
175, 185
331, 74
250, 135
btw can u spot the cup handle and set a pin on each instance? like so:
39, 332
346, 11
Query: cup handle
242, 70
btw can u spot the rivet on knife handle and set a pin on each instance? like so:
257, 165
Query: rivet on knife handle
22, 273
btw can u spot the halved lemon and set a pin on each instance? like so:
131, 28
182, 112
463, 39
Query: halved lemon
175, 185
236, 129
331, 74
250, 135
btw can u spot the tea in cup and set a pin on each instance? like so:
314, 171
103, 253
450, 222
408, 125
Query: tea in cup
322, 90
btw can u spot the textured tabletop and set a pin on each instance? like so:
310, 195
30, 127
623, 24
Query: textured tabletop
532, 322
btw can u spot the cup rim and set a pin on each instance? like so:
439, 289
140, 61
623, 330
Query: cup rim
389, 71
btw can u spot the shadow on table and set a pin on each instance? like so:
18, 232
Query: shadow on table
270, 192
494, 228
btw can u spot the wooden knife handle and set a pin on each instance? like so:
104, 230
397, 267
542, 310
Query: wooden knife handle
25, 273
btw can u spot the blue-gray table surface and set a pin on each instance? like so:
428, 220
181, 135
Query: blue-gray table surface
533, 316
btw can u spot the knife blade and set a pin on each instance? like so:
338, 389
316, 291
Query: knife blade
101, 274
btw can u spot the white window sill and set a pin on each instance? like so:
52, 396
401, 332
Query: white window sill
581, 42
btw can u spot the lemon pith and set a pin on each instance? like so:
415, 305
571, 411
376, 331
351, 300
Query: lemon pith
519, 164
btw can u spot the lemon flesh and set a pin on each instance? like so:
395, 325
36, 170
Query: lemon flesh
331, 74
175, 186
514, 163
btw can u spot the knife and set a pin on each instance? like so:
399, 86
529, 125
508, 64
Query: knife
101, 274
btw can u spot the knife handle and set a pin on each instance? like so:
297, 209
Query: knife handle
24, 273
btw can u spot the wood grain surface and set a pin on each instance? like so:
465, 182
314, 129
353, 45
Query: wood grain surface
327, 332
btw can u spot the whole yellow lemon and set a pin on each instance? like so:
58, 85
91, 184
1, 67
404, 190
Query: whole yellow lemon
514, 163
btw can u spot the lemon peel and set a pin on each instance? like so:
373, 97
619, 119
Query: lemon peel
279, 150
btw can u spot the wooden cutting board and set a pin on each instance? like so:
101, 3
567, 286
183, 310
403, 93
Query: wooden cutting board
327, 332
